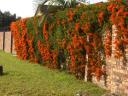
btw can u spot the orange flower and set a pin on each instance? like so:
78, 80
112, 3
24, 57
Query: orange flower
45, 31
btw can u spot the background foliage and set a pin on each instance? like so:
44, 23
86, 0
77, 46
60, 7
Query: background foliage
5, 20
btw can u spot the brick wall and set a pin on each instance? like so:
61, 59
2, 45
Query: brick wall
6, 42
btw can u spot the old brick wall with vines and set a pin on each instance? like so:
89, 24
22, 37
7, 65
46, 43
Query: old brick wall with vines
74, 37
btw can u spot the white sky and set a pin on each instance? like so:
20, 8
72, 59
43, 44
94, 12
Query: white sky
95, 1
23, 8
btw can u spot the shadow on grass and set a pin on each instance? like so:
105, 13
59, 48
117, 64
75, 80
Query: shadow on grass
5, 73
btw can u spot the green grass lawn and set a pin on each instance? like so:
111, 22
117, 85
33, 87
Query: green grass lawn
22, 78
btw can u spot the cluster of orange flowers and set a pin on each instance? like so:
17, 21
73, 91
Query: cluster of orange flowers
70, 14
119, 14
101, 18
20, 38
31, 50
44, 51
45, 33
108, 43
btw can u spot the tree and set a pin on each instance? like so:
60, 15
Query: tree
64, 3
5, 19
50, 3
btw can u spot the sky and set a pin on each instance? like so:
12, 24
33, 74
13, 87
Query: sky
23, 8
95, 1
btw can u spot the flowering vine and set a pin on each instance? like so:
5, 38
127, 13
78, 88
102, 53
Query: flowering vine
79, 33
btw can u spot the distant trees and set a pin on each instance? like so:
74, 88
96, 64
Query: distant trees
5, 19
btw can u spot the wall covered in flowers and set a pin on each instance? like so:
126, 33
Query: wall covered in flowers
72, 38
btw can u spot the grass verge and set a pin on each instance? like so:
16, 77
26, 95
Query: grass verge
22, 78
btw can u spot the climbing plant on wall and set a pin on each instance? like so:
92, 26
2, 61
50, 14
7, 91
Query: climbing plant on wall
74, 38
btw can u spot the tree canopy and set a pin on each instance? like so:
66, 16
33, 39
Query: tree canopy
5, 19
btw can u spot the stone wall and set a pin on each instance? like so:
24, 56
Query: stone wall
117, 80
6, 42
1, 40
116, 77
7, 45
117, 71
